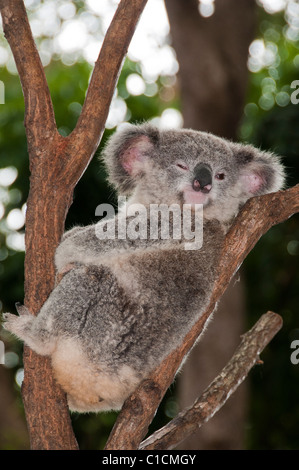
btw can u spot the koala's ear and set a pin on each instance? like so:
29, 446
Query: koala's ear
126, 153
261, 172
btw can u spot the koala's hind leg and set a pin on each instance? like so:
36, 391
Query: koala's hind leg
27, 328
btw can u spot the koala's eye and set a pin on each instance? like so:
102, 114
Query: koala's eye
182, 166
220, 176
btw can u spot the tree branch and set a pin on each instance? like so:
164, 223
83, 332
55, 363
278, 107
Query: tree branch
39, 111
77, 149
91, 123
222, 387
255, 219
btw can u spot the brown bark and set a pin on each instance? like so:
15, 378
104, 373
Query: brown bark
222, 387
257, 216
56, 164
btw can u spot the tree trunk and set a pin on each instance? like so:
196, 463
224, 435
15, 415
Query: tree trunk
213, 75
56, 165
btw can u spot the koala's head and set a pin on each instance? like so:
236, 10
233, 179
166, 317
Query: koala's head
186, 166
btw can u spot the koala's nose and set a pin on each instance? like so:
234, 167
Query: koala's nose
202, 178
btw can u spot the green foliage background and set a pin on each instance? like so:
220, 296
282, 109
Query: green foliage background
271, 269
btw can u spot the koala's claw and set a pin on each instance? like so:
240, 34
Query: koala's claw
21, 309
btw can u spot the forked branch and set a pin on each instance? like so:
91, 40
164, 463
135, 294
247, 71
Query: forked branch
223, 386
78, 148
105, 75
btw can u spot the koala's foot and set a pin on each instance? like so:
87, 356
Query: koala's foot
26, 328
18, 325
15, 323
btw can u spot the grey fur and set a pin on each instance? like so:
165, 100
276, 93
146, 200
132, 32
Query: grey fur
124, 305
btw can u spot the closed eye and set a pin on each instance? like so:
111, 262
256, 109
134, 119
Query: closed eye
182, 166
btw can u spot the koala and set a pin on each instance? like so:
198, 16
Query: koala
124, 303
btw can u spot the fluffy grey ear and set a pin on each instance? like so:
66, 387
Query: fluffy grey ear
261, 172
126, 152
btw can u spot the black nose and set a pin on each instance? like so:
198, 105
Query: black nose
202, 178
